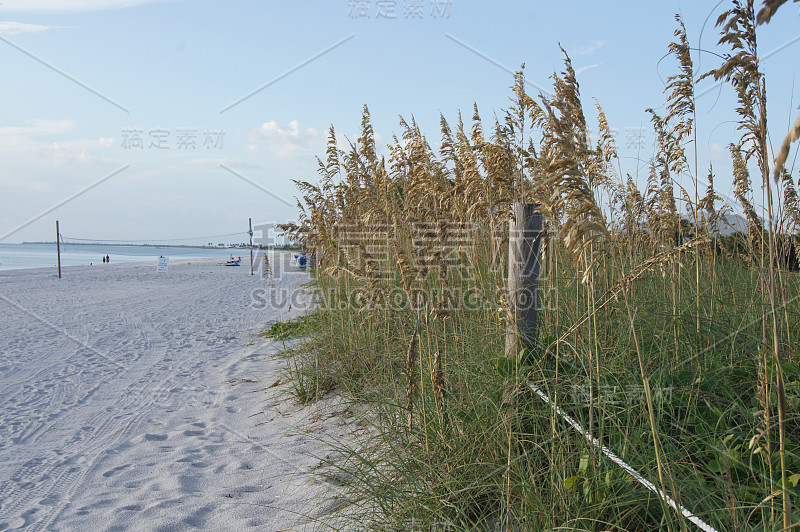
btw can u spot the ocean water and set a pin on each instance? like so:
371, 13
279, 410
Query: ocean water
25, 256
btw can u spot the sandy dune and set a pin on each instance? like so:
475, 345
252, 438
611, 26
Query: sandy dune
133, 400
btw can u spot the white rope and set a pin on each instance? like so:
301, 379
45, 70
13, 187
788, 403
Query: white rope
617, 460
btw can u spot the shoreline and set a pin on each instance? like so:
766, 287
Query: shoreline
147, 259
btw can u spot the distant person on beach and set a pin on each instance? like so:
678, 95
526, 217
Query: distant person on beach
104, 260
108, 259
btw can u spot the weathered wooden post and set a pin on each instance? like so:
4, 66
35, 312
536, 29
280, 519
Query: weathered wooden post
58, 249
524, 249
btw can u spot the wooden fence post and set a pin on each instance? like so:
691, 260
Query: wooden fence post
524, 248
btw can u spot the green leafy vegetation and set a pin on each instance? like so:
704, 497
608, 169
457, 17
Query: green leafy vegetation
285, 330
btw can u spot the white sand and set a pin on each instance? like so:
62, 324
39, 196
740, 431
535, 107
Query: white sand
133, 400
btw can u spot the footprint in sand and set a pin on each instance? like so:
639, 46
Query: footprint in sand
112, 472
49, 501
13, 523
132, 507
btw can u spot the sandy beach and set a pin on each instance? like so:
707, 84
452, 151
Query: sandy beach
134, 400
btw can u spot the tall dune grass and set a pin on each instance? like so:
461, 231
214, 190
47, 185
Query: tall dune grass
674, 346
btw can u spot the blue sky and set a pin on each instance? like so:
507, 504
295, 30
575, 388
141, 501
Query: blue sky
85, 80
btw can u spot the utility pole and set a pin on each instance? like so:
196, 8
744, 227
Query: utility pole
58, 249
250, 223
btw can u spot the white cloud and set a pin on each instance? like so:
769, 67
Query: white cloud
581, 70
14, 28
285, 141
70, 5
216, 163
586, 50
343, 142
25, 138
31, 139
718, 152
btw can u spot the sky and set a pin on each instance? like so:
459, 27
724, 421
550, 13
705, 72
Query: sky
173, 119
